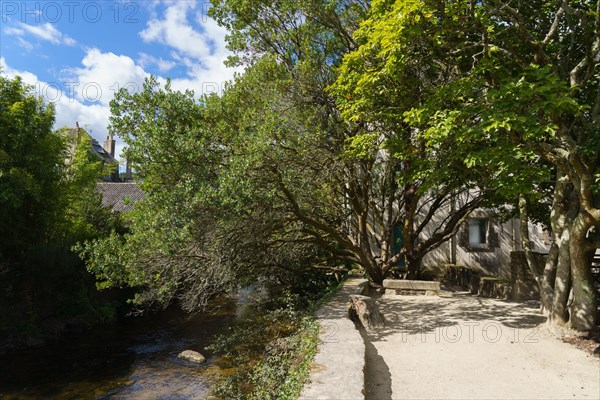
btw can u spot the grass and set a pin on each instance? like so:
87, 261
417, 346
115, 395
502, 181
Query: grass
270, 354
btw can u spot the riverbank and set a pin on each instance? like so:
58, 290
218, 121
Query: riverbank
134, 358
269, 355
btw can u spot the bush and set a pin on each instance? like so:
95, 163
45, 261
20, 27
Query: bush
270, 353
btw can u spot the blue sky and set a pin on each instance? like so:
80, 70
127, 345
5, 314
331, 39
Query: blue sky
78, 53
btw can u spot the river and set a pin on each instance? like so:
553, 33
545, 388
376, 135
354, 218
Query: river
135, 358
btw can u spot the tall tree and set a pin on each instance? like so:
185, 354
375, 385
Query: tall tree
48, 202
521, 87
540, 77
210, 221
374, 173
30, 159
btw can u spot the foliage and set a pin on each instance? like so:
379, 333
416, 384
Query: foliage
168, 243
532, 98
499, 89
367, 174
214, 171
47, 179
30, 159
271, 353
48, 202
350, 122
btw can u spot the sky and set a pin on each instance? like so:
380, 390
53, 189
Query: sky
77, 54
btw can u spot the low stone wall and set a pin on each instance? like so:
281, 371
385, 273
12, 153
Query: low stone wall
338, 368
494, 288
524, 286
459, 276
410, 287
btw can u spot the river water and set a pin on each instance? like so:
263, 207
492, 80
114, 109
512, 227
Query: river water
133, 359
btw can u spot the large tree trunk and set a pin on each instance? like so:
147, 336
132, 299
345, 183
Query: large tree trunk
413, 265
562, 284
410, 206
548, 279
565, 206
585, 302
377, 276
376, 271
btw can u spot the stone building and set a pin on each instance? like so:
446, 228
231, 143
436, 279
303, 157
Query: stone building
118, 193
106, 153
486, 254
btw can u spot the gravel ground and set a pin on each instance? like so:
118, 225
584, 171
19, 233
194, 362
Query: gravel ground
465, 347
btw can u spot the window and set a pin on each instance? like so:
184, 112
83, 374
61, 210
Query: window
478, 228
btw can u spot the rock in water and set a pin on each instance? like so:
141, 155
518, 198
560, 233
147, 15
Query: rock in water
192, 356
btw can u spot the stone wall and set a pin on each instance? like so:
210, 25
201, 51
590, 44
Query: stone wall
337, 371
524, 286
461, 277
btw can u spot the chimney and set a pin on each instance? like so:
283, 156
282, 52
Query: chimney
109, 145
78, 135
128, 174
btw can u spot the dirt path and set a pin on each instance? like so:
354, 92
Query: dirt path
472, 348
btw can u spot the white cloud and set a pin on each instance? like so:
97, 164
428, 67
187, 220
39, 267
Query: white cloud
27, 77
69, 41
197, 42
162, 64
46, 31
103, 74
24, 44
13, 31
175, 31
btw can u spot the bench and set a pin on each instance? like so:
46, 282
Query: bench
398, 286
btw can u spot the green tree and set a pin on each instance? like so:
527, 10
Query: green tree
167, 243
209, 221
373, 170
48, 202
390, 73
540, 91
30, 159
511, 88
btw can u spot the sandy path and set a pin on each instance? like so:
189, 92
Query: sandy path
472, 348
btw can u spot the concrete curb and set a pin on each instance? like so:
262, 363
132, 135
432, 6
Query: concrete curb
338, 369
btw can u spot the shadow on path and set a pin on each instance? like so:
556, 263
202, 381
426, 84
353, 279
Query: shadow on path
464, 347
378, 379
423, 314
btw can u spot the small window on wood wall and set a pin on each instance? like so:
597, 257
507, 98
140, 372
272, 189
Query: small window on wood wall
478, 231
478, 234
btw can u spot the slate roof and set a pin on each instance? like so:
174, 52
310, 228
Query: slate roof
100, 152
120, 196
97, 149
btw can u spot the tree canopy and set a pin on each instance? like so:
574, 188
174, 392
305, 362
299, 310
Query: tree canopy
48, 202
353, 126
512, 90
